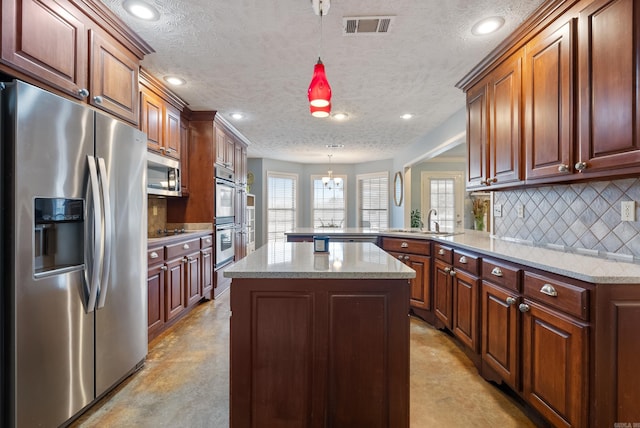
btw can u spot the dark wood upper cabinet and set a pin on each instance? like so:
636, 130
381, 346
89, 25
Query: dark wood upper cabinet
609, 72
477, 138
549, 104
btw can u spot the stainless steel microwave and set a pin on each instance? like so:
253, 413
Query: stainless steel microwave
163, 175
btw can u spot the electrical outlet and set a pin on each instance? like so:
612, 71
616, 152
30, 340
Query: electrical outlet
520, 210
628, 211
497, 210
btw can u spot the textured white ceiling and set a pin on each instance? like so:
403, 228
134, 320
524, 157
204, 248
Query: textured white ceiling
257, 56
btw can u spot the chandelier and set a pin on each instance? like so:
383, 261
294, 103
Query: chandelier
329, 181
319, 92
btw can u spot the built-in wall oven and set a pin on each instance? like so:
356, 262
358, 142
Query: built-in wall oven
225, 196
225, 247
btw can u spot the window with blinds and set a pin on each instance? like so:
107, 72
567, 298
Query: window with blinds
281, 205
329, 203
373, 200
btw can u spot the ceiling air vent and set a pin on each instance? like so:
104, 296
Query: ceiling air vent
367, 24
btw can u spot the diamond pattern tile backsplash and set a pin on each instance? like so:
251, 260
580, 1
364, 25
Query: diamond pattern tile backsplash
581, 216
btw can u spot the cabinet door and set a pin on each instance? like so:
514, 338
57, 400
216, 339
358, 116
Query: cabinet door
555, 365
151, 119
420, 285
465, 309
220, 146
206, 262
185, 136
114, 77
443, 293
609, 67
548, 112
174, 290
192, 285
229, 152
48, 40
477, 128
155, 299
171, 137
504, 122
500, 332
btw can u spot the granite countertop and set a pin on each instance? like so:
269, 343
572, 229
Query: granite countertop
597, 270
345, 260
170, 239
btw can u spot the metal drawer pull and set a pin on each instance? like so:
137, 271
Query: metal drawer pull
463, 260
400, 256
441, 252
406, 257
404, 245
510, 300
496, 271
549, 290
524, 307
153, 255
185, 247
208, 241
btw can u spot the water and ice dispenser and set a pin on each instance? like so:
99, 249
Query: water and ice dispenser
58, 235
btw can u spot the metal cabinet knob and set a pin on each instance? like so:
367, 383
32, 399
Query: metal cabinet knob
164, 268
441, 252
496, 271
452, 272
404, 245
524, 307
406, 257
463, 260
84, 93
549, 290
400, 256
447, 270
168, 151
483, 182
510, 301
563, 168
492, 180
208, 240
97, 99
185, 247
581, 166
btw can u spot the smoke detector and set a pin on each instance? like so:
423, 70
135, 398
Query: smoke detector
367, 24
320, 6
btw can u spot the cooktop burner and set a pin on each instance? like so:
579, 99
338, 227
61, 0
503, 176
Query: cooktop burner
168, 232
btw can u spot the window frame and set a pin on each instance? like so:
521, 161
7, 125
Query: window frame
372, 175
296, 199
312, 179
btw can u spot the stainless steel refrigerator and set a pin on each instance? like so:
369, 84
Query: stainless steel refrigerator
73, 255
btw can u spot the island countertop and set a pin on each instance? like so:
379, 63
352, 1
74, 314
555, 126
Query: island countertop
345, 260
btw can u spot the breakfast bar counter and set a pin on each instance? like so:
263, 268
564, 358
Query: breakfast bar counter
319, 339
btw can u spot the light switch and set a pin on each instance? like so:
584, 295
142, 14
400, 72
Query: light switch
497, 210
628, 211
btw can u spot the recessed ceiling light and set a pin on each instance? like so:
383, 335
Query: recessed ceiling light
175, 81
141, 9
334, 146
487, 25
406, 116
340, 116
237, 116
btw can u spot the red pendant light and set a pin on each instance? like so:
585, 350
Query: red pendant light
320, 111
319, 89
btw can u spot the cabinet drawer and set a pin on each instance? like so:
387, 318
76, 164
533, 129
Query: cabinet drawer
415, 246
566, 297
155, 255
443, 253
182, 248
502, 274
206, 241
466, 262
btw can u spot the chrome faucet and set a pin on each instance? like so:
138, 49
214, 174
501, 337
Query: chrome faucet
435, 213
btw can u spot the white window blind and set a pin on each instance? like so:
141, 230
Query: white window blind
373, 200
328, 209
281, 205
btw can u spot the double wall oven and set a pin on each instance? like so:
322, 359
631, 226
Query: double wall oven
224, 215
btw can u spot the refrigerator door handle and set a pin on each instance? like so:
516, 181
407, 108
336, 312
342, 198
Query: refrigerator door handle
97, 241
108, 229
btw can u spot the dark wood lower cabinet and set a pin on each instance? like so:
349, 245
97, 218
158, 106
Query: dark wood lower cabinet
192, 285
466, 309
174, 295
555, 364
155, 299
443, 293
206, 257
319, 353
500, 333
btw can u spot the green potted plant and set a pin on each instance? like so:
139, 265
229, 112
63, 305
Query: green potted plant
416, 218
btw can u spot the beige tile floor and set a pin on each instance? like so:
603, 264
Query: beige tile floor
184, 382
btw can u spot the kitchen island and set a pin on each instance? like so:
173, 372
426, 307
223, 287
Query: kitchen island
319, 339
